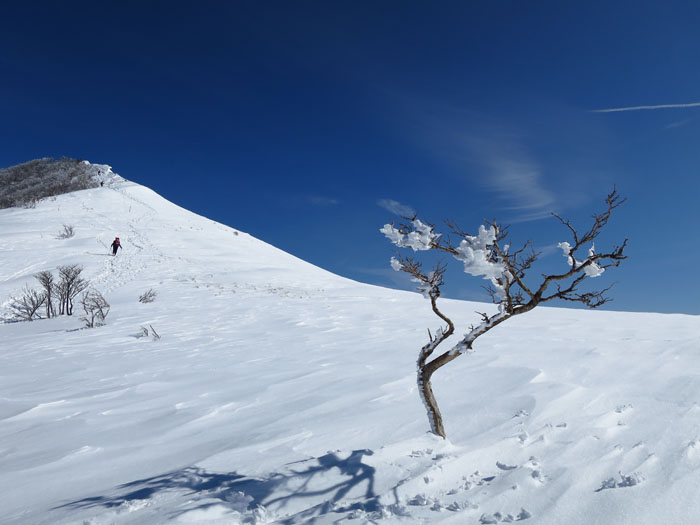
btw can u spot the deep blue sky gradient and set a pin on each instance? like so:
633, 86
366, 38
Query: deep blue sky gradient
293, 120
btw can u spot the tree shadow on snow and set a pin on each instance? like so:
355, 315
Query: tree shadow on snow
328, 479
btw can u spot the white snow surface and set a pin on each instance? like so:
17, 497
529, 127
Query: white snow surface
280, 393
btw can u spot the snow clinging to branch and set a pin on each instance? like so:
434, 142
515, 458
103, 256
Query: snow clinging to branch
479, 258
420, 238
476, 252
593, 269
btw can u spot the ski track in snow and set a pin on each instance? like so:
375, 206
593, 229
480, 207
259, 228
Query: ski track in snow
279, 393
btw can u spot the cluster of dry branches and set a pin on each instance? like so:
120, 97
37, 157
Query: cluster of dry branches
95, 307
57, 297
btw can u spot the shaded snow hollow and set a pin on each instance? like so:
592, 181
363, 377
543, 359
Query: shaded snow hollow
280, 393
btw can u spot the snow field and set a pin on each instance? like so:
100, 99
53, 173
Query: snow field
280, 393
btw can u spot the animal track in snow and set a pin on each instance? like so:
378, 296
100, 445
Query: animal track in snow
465, 505
422, 500
522, 437
692, 449
535, 470
498, 517
629, 480
476, 480
420, 453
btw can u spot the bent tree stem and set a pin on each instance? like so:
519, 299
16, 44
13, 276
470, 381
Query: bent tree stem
425, 369
431, 406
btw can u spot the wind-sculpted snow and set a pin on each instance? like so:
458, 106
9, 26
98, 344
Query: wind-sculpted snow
280, 393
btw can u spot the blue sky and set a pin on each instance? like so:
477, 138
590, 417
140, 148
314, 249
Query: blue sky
307, 123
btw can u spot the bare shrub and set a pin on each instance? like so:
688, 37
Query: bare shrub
46, 280
66, 233
26, 306
95, 307
144, 332
57, 297
68, 288
148, 297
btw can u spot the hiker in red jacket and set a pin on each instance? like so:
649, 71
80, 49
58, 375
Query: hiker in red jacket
115, 246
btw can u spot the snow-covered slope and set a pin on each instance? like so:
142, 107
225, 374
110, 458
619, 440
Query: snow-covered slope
280, 393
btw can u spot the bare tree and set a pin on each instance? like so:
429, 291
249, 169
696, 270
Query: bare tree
68, 288
148, 296
95, 307
507, 270
58, 297
144, 332
67, 232
26, 306
46, 280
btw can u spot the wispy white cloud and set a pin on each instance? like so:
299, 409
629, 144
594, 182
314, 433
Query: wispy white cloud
521, 182
318, 200
395, 207
678, 124
512, 174
640, 108
491, 154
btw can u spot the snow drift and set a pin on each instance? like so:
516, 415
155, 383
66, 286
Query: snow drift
280, 393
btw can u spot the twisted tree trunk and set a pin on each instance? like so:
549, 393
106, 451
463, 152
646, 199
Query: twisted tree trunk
431, 406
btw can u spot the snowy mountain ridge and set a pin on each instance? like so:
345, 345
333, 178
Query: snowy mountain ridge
280, 393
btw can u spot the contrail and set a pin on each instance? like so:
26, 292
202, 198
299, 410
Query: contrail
637, 108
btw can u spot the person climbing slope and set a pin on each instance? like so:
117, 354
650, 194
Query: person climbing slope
116, 245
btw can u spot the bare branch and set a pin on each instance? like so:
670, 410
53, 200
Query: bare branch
95, 307
26, 306
573, 231
46, 280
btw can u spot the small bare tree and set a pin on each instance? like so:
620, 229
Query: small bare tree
148, 296
46, 280
95, 307
507, 270
144, 332
26, 306
69, 287
67, 232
